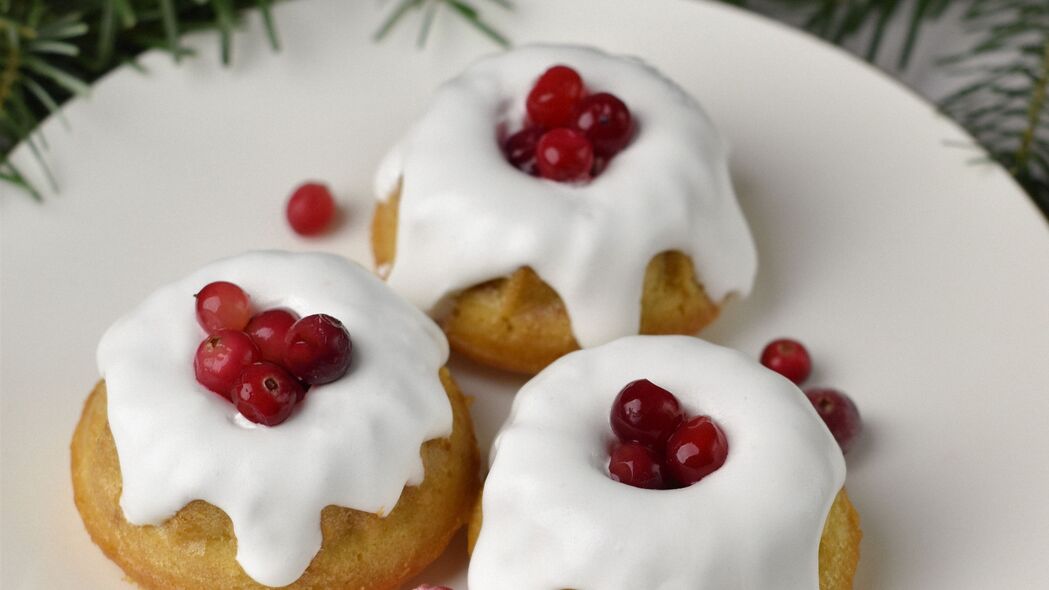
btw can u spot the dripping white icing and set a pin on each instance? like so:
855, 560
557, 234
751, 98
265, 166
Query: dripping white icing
467, 216
354, 442
554, 519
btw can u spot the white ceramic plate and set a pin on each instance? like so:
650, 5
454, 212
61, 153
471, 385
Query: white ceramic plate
918, 276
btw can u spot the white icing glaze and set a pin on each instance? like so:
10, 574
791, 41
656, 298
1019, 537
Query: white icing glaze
354, 442
554, 519
467, 216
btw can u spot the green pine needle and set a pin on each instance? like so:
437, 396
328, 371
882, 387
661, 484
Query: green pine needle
1006, 105
467, 11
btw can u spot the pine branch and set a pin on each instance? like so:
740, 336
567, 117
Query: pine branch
840, 21
1006, 105
52, 50
429, 10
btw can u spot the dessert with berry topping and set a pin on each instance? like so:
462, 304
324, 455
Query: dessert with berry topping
663, 462
557, 197
300, 431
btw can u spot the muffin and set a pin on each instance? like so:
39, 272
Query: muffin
520, 269
362, 486
769, 512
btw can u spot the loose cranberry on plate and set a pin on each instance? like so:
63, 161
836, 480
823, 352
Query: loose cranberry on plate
268, 330
222, 306
606, 122
221, 357
265, 393
553, 99
317, 349
564, 155
646, 413
636, 465
838, 412
788, 358
310, 209
695, 450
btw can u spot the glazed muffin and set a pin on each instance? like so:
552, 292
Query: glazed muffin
743, 487
839, 551
362, 486
520, 267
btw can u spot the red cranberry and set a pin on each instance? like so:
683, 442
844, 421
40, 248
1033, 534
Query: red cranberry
268, 330
520, 149
646, 413
636, 465
555, 96
220, 359
222, 306
788, 358
839, 413
265, 393
564, 155
310, 209
605, 121
695, 450
317, 349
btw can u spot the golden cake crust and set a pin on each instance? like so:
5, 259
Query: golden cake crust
839, 545
519, 323
196, 548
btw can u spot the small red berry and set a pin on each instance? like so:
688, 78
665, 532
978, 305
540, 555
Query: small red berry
564, 155
268, 330
788, 358
310, 209
695, 450
220, 359
839, 413
646, 413
636, 465
317, 349
222, 306
555, 96
265, 393
606, 122
520, 149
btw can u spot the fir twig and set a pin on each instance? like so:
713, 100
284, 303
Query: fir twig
429, 8
840, 21
49, 53
1006, 105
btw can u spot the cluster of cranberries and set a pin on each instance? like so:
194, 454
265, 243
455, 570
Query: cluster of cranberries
569, 135
659, 447
790, 359
264, 363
